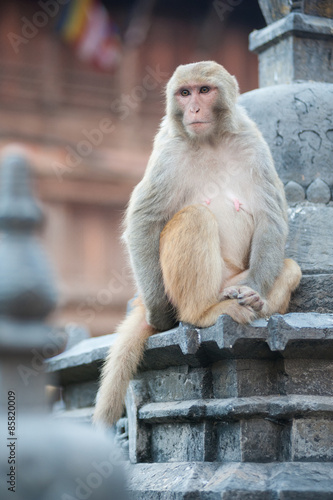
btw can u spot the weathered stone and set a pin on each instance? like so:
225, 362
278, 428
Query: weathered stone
296, 47
231, 481
234, 409
243, 377
289, 332
228, 435
314, 294
261, 440
306, 376
294, 192
179, 442
308, 242
139, 435
178, 383
298, 128
312, 439
318, 192
80, 395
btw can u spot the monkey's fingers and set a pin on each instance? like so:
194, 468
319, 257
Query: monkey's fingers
249, 297
231, 292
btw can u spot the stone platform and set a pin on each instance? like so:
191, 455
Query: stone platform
230, 411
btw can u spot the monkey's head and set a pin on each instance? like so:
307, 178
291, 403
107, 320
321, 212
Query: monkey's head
200, 100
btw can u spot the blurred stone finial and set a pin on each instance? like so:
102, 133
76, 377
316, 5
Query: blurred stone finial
39, 458
26, 282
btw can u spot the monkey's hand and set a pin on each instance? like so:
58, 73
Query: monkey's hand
245, 295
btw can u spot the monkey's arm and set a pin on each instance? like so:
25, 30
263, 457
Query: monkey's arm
271, 229
145, 219
267, 255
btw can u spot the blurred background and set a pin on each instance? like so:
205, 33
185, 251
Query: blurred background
81, 86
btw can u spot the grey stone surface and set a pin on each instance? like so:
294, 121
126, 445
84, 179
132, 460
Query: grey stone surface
244, 377
298, 128
318, 192
224, 340
234, 409
306, 377
312, 439
309, 242
297, 47
287, 333
81, 362
80, 395
294, 192
315, 294
232, 481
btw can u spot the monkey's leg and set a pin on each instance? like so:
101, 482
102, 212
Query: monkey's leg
279, 297
193, 268
121, 364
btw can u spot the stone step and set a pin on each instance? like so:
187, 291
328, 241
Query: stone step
257, 429
231, 481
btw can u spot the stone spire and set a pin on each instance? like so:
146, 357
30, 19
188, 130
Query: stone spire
294, 110
297, 45
39, 457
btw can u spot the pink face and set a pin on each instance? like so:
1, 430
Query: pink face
196, 102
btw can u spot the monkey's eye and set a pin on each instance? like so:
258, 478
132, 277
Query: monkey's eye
184, 92
204, 90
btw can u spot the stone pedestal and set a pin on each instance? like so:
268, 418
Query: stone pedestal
226, 412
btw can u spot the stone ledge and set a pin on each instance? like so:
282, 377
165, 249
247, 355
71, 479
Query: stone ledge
229, 409
79, 415
291, 335
233, 481
293, 24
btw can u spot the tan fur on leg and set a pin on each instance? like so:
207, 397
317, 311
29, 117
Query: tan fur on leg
279, 297
191, 261
121, 364
193, 268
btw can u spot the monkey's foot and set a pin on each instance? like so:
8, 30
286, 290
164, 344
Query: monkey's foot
245, 296
241, 314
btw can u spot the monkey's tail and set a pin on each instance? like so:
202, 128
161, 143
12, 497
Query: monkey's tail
121, 364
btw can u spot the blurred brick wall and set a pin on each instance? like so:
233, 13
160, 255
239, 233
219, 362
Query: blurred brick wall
89, 136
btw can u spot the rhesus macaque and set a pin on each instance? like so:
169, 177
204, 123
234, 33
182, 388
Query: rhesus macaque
205, 228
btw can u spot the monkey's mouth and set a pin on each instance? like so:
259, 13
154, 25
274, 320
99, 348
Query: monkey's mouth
198, 123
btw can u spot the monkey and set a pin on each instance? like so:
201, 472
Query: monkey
205, 228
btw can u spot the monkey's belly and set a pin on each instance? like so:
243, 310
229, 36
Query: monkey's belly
236, 230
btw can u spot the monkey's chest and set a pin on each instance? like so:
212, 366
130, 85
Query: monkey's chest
233, 214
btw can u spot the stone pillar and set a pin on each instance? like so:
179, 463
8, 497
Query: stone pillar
39, 457
294, 110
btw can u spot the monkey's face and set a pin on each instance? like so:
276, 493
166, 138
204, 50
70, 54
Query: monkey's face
196, 102
200, 101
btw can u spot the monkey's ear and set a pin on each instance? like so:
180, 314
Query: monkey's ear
230, 90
